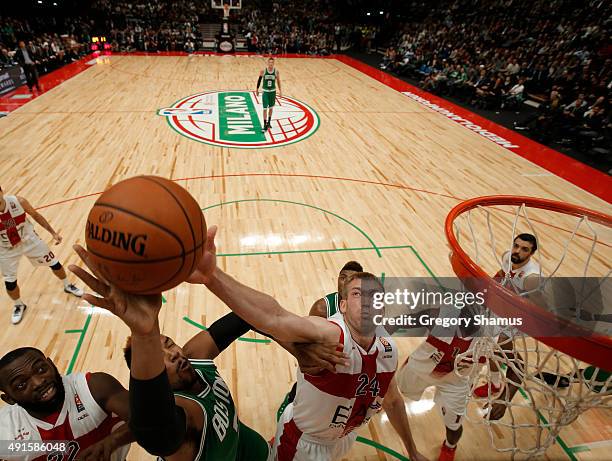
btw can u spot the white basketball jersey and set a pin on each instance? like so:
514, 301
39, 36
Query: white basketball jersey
518, 276
81, 419
331, 405
14, 225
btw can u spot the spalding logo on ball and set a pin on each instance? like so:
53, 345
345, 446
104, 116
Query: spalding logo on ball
146, 234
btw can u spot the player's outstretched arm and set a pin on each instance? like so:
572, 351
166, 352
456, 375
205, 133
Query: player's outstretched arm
393, 404
40, 219
258, 309
158, 424
266, 314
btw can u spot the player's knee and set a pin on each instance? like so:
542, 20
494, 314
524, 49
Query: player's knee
57, 266
10, 286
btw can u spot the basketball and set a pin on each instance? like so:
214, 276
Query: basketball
146, 234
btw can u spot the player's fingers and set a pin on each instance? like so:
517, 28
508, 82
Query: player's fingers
89, 280
100, 302
337, 360
210, 238
85, 257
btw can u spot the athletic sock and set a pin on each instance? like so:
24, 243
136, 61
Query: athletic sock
496, 378
450, 445
66, 282
18, 302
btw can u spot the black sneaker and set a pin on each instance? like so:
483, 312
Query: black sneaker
265, 127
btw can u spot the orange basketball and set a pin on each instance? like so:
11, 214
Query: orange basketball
146, 234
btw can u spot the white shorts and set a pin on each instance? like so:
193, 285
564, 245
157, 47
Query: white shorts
290, 444
34, 248
452, 392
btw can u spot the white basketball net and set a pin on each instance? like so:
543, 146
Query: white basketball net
542, 406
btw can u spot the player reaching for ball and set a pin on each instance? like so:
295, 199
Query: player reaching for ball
320, 425
180, 407
18, 238
157, 421
271, 78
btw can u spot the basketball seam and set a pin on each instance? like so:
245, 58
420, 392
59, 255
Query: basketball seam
153, 179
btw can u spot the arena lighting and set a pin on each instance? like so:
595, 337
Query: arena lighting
380, 12
367, 14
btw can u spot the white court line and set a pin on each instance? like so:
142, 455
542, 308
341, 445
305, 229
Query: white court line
537, 174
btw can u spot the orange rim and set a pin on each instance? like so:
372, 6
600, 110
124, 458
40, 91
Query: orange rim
580, 343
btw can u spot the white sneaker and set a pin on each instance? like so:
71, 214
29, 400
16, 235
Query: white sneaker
18, 312
73, 290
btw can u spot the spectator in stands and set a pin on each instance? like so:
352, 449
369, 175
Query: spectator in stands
6, 59
28, 59
515, 95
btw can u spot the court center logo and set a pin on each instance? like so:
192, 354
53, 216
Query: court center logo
233, 119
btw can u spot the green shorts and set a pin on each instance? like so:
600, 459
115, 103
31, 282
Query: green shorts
268, 99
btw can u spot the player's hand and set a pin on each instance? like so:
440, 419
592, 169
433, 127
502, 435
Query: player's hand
100, 451
139, 312
208, 263
315, 357
57, 238
280, 94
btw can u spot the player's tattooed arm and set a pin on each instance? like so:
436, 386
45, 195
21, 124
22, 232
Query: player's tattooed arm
40, 219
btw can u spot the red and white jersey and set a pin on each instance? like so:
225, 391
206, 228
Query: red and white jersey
518, 276
437, 355
81, 419
331, 405
14, 225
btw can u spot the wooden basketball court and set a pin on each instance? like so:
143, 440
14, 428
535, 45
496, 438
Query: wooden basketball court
374, 183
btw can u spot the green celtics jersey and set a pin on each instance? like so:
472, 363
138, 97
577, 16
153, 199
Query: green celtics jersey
224, 438
269, 80
331, 302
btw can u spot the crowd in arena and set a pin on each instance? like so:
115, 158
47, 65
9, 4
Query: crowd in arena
51, 44
293, 27
495, 56
492, 54
139, 25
